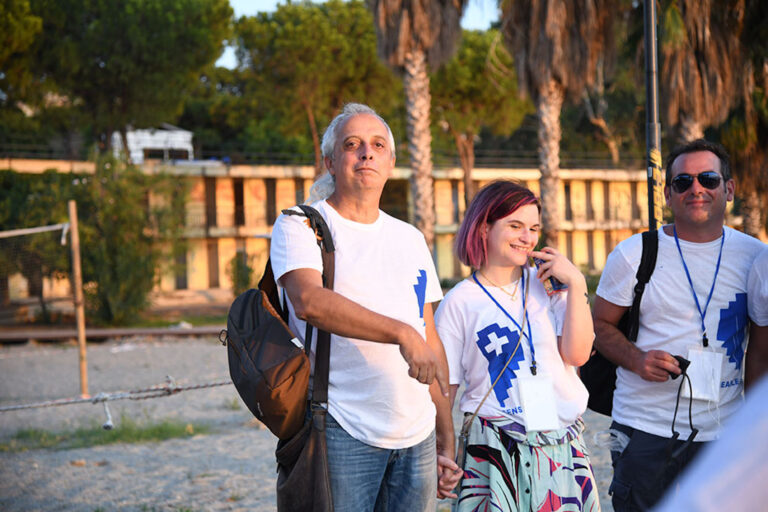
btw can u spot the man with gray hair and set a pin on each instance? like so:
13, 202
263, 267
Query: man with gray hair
389, 427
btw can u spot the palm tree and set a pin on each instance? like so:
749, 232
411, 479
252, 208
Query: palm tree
555, 45
745, 134
701, 63
414, 35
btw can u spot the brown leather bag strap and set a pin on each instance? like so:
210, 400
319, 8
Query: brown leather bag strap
323, 347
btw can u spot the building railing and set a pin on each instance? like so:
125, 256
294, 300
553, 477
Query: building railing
442, 160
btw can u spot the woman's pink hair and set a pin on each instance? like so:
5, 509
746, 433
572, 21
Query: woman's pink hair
493, 202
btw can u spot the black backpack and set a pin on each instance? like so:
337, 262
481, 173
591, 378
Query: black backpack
268, 365
599, 374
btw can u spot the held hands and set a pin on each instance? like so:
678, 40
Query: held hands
558, 266
422, 362
448, 476
655, 365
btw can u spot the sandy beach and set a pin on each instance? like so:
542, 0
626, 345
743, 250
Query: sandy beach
229, 468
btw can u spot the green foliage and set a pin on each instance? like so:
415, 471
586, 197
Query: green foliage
478, 87
240, 272
18, 28
233, 404
216, 110
673, 33
31, 201
129, 62
123, 234
303, 61
125, 431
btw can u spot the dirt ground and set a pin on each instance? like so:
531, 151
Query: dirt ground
230, 468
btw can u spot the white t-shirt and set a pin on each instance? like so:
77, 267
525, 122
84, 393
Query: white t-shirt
670, 321
479, 339
385, 267
757, 294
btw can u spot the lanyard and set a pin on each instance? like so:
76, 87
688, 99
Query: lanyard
704, 339
528, 336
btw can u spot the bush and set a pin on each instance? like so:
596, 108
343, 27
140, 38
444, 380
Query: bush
240, 272
123, 230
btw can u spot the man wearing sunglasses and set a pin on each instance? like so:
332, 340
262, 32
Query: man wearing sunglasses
694, 306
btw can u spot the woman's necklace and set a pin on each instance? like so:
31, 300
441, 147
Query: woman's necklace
513, 295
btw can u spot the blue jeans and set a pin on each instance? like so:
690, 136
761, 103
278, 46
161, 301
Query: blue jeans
365, 478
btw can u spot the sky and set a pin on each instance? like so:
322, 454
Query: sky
478, 15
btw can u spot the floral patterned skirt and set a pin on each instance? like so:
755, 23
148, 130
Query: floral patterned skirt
509, 470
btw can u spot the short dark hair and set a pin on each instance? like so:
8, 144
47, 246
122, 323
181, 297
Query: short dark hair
700, 145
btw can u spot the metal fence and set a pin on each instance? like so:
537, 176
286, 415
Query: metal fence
442, 160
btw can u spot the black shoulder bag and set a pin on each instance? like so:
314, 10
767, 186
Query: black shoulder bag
599, 374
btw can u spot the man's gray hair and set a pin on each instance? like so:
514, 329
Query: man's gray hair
324, 185
351, 110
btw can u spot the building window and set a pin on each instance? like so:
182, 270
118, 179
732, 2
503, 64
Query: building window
210, 201
180, 270
635, 205
455, 201
591, 249
271, 185
568, 208
606, 201
298, 184
178, 154
569, 244
590, 207
213, 263
394, 199
237, 185
153, 154
165, 154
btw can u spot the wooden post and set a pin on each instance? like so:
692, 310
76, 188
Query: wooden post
77, 282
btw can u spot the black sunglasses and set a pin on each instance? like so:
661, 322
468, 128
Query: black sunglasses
708, 179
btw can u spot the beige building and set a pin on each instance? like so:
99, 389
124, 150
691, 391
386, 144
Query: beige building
231, 210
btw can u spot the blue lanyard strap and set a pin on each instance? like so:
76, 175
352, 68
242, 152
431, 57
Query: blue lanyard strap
528, 336
703, 313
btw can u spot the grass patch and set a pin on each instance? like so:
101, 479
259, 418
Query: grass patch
127, 431
232, 405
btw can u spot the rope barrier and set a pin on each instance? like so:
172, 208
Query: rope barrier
159, 391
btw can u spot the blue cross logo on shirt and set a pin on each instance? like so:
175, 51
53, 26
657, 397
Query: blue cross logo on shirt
497, 344
732, 328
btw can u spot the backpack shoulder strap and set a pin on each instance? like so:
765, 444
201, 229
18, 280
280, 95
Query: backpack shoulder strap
644, 271
323, 348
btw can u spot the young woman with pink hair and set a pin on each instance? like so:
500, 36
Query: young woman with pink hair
516, 342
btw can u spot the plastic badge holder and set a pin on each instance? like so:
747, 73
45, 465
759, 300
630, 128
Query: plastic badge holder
551, 285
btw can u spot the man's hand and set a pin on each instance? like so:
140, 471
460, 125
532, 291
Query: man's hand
422, 362
655, 365
448, 476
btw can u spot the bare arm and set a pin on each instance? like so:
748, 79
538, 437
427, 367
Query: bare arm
757, 355
332, 312
653, 365
444, 420
575, 344
446, 438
